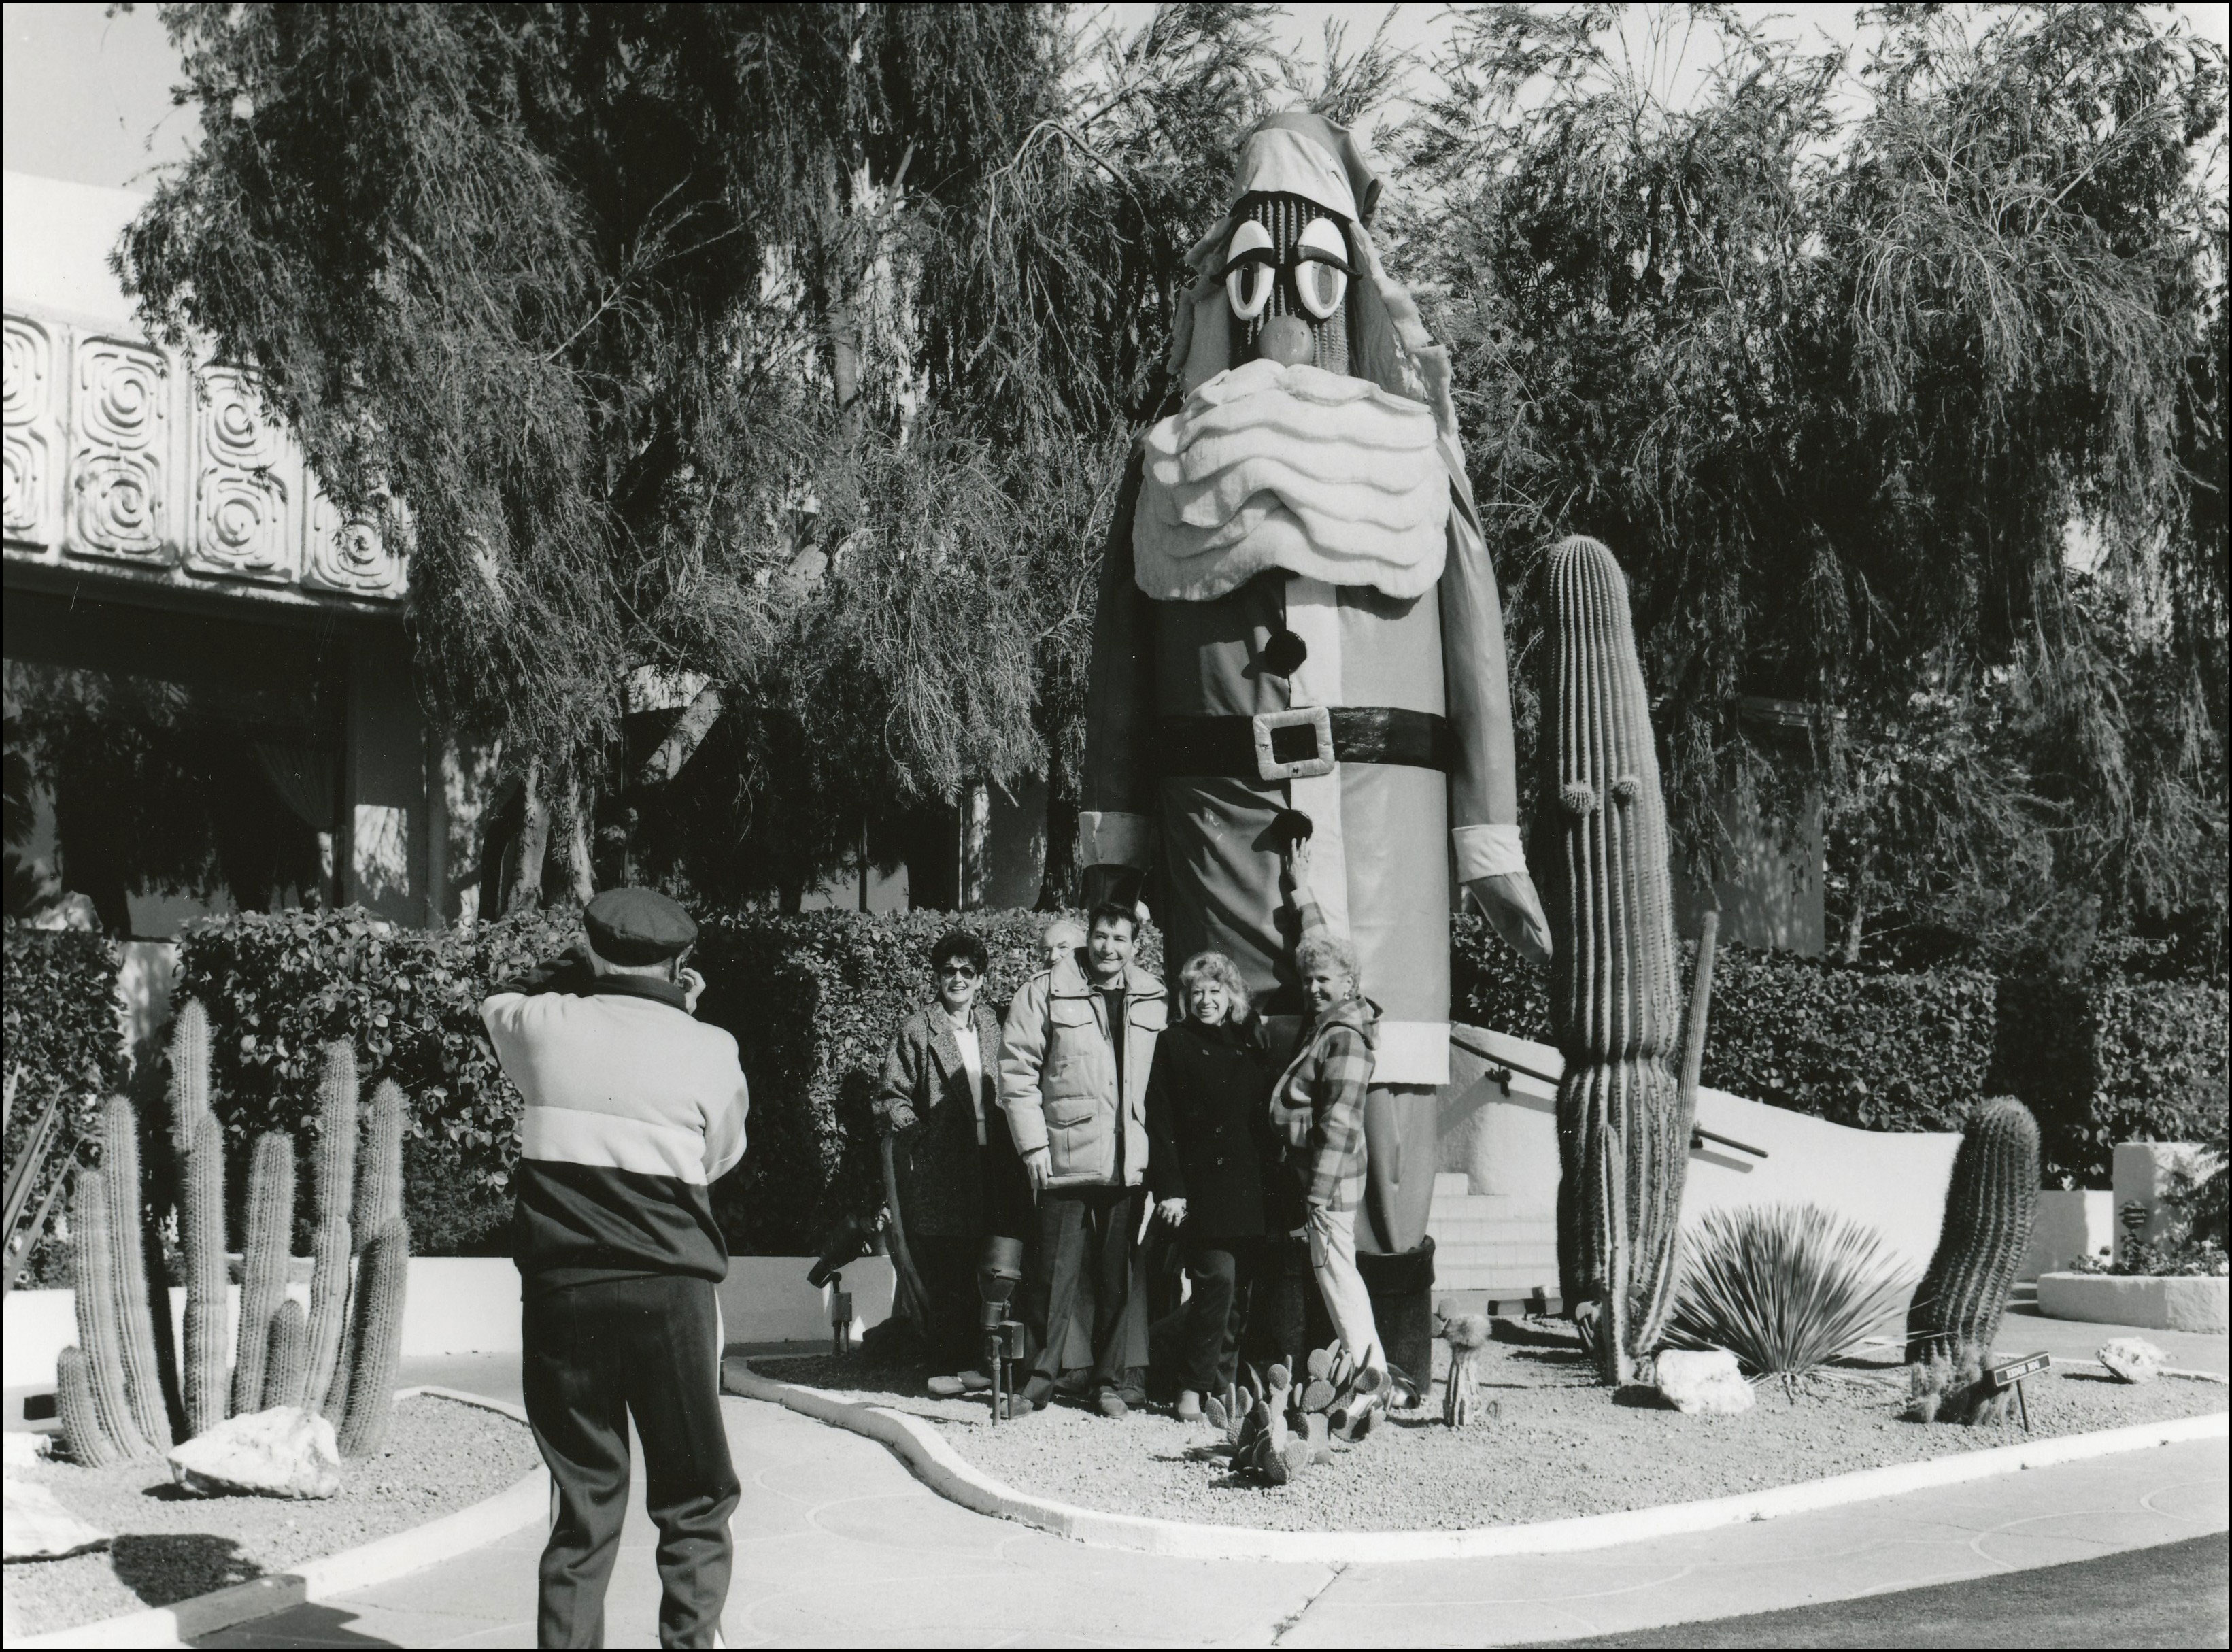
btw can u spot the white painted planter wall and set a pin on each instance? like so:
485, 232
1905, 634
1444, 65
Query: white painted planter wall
2155, 1304
2070, 1226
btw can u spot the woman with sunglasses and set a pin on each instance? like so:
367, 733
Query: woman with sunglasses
939, 1097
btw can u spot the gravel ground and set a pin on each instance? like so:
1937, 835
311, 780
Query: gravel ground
441, 1456
1555, 1445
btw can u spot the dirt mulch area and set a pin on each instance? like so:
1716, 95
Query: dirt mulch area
1544, 1442
442, 1455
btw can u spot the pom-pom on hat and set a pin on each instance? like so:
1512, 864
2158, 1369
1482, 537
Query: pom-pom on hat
638, 926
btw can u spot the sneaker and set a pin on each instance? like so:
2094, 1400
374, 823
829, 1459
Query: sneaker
1190, 1406
973, 1382
947, 1388
1110, 1403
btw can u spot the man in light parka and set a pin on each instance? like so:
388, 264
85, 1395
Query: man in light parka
1297, 611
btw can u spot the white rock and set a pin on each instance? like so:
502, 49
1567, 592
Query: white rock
20, 1447
1707, 1382
38, 1527
284, 1451
2133, 1359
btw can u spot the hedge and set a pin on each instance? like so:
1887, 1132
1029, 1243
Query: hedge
1878, 1049
59, 1028
2121, 1055
2131, 1050
812, 1000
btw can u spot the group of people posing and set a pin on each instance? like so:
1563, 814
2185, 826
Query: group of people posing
1089, 1116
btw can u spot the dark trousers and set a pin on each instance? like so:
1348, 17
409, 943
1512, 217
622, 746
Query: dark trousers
1224, 1271
594, 1355
1087, 1254
947, 1267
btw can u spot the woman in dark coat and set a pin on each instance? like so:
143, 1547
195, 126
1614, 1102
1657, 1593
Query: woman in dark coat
1213, 1165
958, 1178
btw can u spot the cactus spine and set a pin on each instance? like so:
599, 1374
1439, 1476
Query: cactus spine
199, 1141
1623, 1119
88, 1442
382, 1279
127, 1263
1990, 1205
112, 1434
286, 1362
336, 1185
269, 1227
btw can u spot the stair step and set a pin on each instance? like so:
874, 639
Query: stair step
1451, 1184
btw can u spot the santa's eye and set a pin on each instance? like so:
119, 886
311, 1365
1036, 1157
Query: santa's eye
1250, 267
1321, 268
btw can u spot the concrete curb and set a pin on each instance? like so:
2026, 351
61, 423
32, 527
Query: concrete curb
378, 1562
940, 1466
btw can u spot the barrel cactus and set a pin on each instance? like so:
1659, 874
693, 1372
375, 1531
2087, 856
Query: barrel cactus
1601, 851
1991, 1204
286, 1357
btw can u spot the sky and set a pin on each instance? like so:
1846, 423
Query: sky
87, 94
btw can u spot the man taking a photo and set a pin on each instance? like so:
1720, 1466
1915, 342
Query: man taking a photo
633, 1109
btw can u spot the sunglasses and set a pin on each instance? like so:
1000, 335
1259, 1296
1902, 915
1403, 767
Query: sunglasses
967, 972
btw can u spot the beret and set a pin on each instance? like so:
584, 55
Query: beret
638, 926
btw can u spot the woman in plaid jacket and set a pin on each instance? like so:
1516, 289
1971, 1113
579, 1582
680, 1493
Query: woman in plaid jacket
1319, 1104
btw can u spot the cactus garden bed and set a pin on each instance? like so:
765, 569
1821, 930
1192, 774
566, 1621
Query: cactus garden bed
1546, 1442
440, 1456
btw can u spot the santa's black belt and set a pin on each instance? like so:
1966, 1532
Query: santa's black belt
1296, 745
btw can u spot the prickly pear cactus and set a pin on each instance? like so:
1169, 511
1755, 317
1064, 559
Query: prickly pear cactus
1615, 1000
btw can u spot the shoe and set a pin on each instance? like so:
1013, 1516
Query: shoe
1133, 1387
947, 1388
973, 1382
1110, 1403
1190, 1406
1015, 1406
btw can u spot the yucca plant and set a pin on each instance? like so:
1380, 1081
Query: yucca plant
1785, 1288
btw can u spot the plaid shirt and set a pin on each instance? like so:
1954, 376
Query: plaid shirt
1331, 1071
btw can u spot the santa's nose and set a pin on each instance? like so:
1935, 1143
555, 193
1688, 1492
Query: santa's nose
1285, 339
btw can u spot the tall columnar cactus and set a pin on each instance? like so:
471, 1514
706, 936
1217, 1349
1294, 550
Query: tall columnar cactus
1623, 1120
128, 1265
199, 1140
383, 1278
87, 1440
334, 1185
287, 1361
379, 1175
1990, 1206
112, 1432
269, 1231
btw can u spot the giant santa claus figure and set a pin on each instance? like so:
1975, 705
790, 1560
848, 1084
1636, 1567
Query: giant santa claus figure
1298, 614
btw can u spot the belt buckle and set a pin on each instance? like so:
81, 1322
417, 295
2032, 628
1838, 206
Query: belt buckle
1317, 719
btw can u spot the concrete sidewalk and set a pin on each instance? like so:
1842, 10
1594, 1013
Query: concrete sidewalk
838, 1545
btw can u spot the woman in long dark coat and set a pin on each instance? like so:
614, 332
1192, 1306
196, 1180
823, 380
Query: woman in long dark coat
1213, 1167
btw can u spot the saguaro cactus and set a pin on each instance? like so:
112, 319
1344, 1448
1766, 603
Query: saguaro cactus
135, 1330
287, 1361
265, 1247
111, 1431
1623, 1121
1990, 1206
199, 1141
383, 1278
334, 1185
